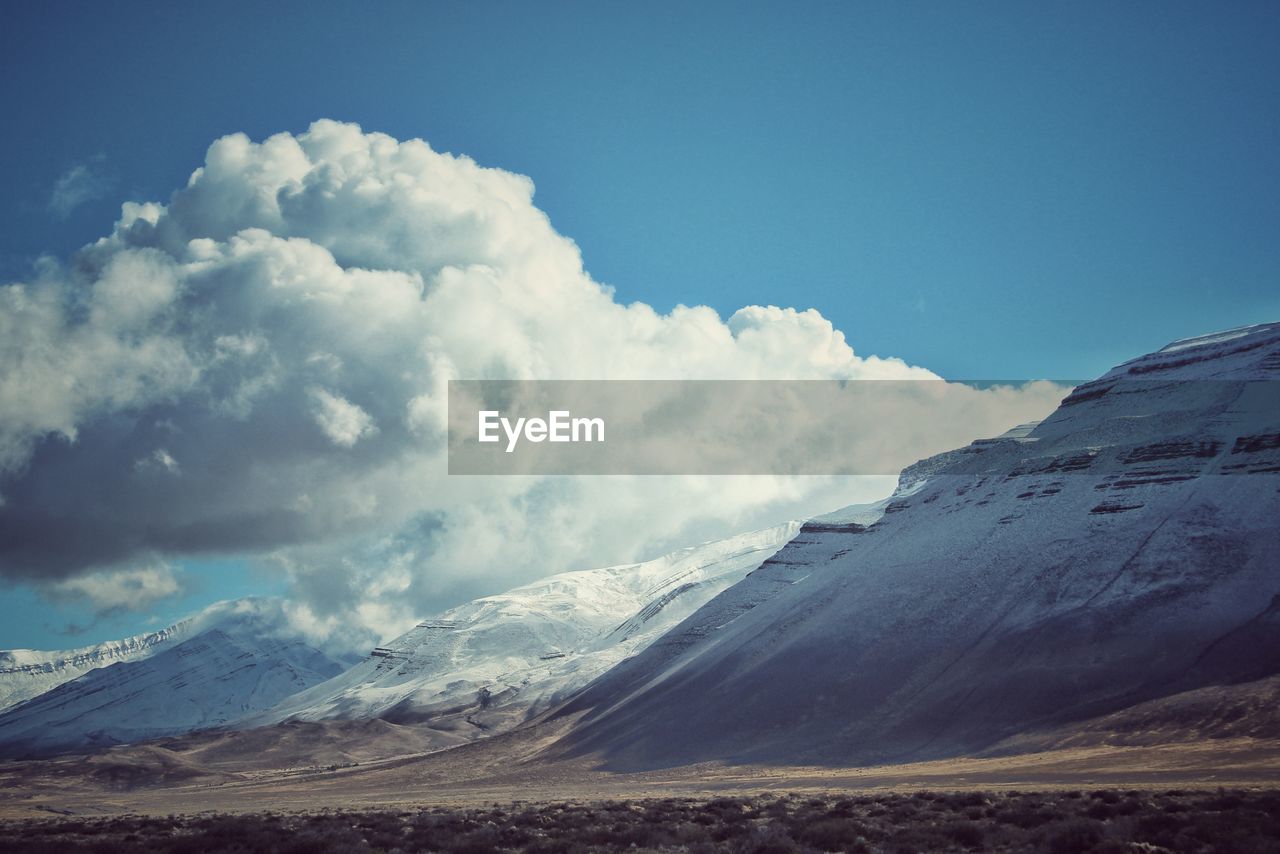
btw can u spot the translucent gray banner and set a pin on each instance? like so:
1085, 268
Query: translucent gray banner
817, 427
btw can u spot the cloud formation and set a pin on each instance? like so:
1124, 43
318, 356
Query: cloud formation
340, 419
119, 590
259, 367
79, 184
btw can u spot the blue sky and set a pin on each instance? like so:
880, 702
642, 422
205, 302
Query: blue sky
990, 190
987, 189
31, 620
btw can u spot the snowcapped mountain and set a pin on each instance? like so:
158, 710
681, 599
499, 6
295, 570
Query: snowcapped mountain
474, 670
230, 660
1122, 550
489, 664
27, 673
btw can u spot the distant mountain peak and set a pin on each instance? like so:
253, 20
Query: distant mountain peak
231, 659
489, 664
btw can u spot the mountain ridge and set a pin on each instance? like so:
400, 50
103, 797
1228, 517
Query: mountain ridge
27, 673
492, 663
1094, 561
231, 660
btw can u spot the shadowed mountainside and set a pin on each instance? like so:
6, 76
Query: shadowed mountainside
1123, 550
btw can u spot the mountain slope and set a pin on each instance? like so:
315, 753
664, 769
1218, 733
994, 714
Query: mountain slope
27, 673
487, 665
1122, 550
239, 659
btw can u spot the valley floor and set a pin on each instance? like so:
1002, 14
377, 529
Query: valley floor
148, 780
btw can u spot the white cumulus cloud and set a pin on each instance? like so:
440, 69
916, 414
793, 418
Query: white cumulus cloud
282, 330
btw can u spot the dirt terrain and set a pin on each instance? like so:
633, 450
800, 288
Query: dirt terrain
151, 782
1225, 736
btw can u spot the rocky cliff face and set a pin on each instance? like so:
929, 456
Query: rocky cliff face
1124, 549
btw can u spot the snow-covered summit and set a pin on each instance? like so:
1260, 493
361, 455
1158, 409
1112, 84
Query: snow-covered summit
490, 663
27, 673
1245, 353
229, 660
